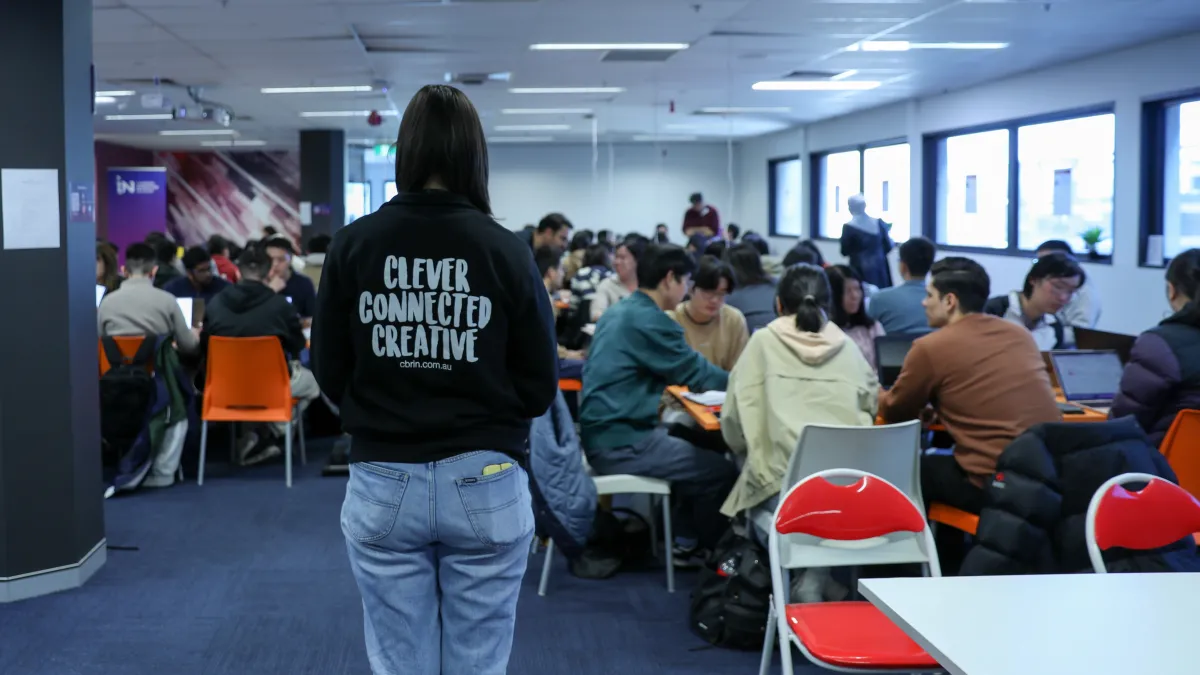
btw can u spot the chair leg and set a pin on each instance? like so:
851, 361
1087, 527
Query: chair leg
764, 665
203, 452
299, 421
287, 455
533, 548
233, 458
668, 543
785, 647
545, 581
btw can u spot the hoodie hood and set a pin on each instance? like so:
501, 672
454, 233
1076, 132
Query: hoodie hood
811, 348
246, 296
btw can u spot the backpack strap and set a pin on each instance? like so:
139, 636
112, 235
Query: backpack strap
1060, 337
145, 351
111, 351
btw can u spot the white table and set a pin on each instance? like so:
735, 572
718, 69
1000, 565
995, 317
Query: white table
1093, 624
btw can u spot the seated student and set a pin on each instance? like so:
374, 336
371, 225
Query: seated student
166, 255
850, 312
1084, 307
200, 279
986, 380
636, 353
573, 258
696, 245
619, 286
710, 325
596, 267
222, 257
549, 264
1049, 285
804, 252
755, 293
284, 280
251, 308
898, 309
772, 265
138, 308
1163, 373
108, 272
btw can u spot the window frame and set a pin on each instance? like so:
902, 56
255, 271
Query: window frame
772, 191
931, 162
1154, 171
817, 177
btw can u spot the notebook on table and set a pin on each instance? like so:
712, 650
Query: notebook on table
1088, 378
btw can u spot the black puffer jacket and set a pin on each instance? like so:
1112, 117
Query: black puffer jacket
1037, 503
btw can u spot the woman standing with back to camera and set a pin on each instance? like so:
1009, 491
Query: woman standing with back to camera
434, 335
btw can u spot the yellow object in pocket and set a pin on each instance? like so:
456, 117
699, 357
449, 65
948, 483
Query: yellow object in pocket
496, 468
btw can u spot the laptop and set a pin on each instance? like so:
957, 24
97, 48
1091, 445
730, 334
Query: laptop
185, 304
100, 289
890, 352
193, 310
1091, 339
1088, 378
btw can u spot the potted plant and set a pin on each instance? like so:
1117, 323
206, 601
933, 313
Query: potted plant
1091, 239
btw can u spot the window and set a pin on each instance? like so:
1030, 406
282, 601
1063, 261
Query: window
389, 190
1066, 183
785, 197
841, 176
886, 187
1181, 179
358, 201
972, 190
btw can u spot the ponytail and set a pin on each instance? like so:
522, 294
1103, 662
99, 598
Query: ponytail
804, 292
809, 317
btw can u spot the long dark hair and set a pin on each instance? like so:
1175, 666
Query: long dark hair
838, 276
1184, 274
747, 265
804, 291
440, 136
107, 253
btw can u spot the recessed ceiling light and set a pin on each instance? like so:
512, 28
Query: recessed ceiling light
736, 110
814, 85
905, 45
232, 144
131, 118
520, 139
101, 100
662, 137
348, 113
197, 132
546, 111
566, 90
116, 92
610, 47
342, 89
533, 127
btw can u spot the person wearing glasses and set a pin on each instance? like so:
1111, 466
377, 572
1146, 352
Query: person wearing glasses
1049, 286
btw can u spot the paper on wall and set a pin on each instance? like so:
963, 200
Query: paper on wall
1154, 250
30, 208
306, 213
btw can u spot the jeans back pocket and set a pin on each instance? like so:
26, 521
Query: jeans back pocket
498, 506
373, 497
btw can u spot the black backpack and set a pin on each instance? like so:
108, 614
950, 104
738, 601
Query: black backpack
732, 595
127, 391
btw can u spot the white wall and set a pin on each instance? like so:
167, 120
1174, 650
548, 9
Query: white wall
632, 189
1133, 297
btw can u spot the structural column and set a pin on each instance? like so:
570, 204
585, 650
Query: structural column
323, 180
51, 491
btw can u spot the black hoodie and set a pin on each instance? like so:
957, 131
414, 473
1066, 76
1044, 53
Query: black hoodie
252, 309
433, 332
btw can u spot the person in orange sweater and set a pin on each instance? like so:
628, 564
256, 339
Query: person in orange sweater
986, 381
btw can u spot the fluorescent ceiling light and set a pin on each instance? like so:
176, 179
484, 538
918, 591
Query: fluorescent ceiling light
733, 110
814, 85
197, 132
566, 90
533, 127
904, 45
342, 89
348, 113
116, 92
232, 144
131, 118
520, 139
101, 100
663, 138
546, 111
610, 47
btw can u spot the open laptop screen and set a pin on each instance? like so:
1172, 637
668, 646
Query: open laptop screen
1088, 376
890, 352
100, 289
185, 304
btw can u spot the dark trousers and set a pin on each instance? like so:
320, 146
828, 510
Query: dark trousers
943, 480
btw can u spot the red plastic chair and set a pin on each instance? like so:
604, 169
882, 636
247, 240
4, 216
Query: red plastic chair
1160, 514
819, 520
247, 380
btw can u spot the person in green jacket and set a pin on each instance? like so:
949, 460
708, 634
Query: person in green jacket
636, 353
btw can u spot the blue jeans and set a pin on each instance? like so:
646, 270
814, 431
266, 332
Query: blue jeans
438, 551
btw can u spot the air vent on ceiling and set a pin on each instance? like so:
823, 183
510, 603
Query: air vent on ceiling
147, 82
638, 55
811, 75
388, 45
751, 33
476, 79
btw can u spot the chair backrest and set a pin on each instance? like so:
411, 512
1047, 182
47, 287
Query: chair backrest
247, 373
1181, 447
128, 345
867, 522
891, 451
1159, 514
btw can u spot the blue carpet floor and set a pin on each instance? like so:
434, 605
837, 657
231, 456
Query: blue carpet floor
245, 577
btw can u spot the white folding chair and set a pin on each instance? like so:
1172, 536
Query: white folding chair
626, 484
864, 520
890, 451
